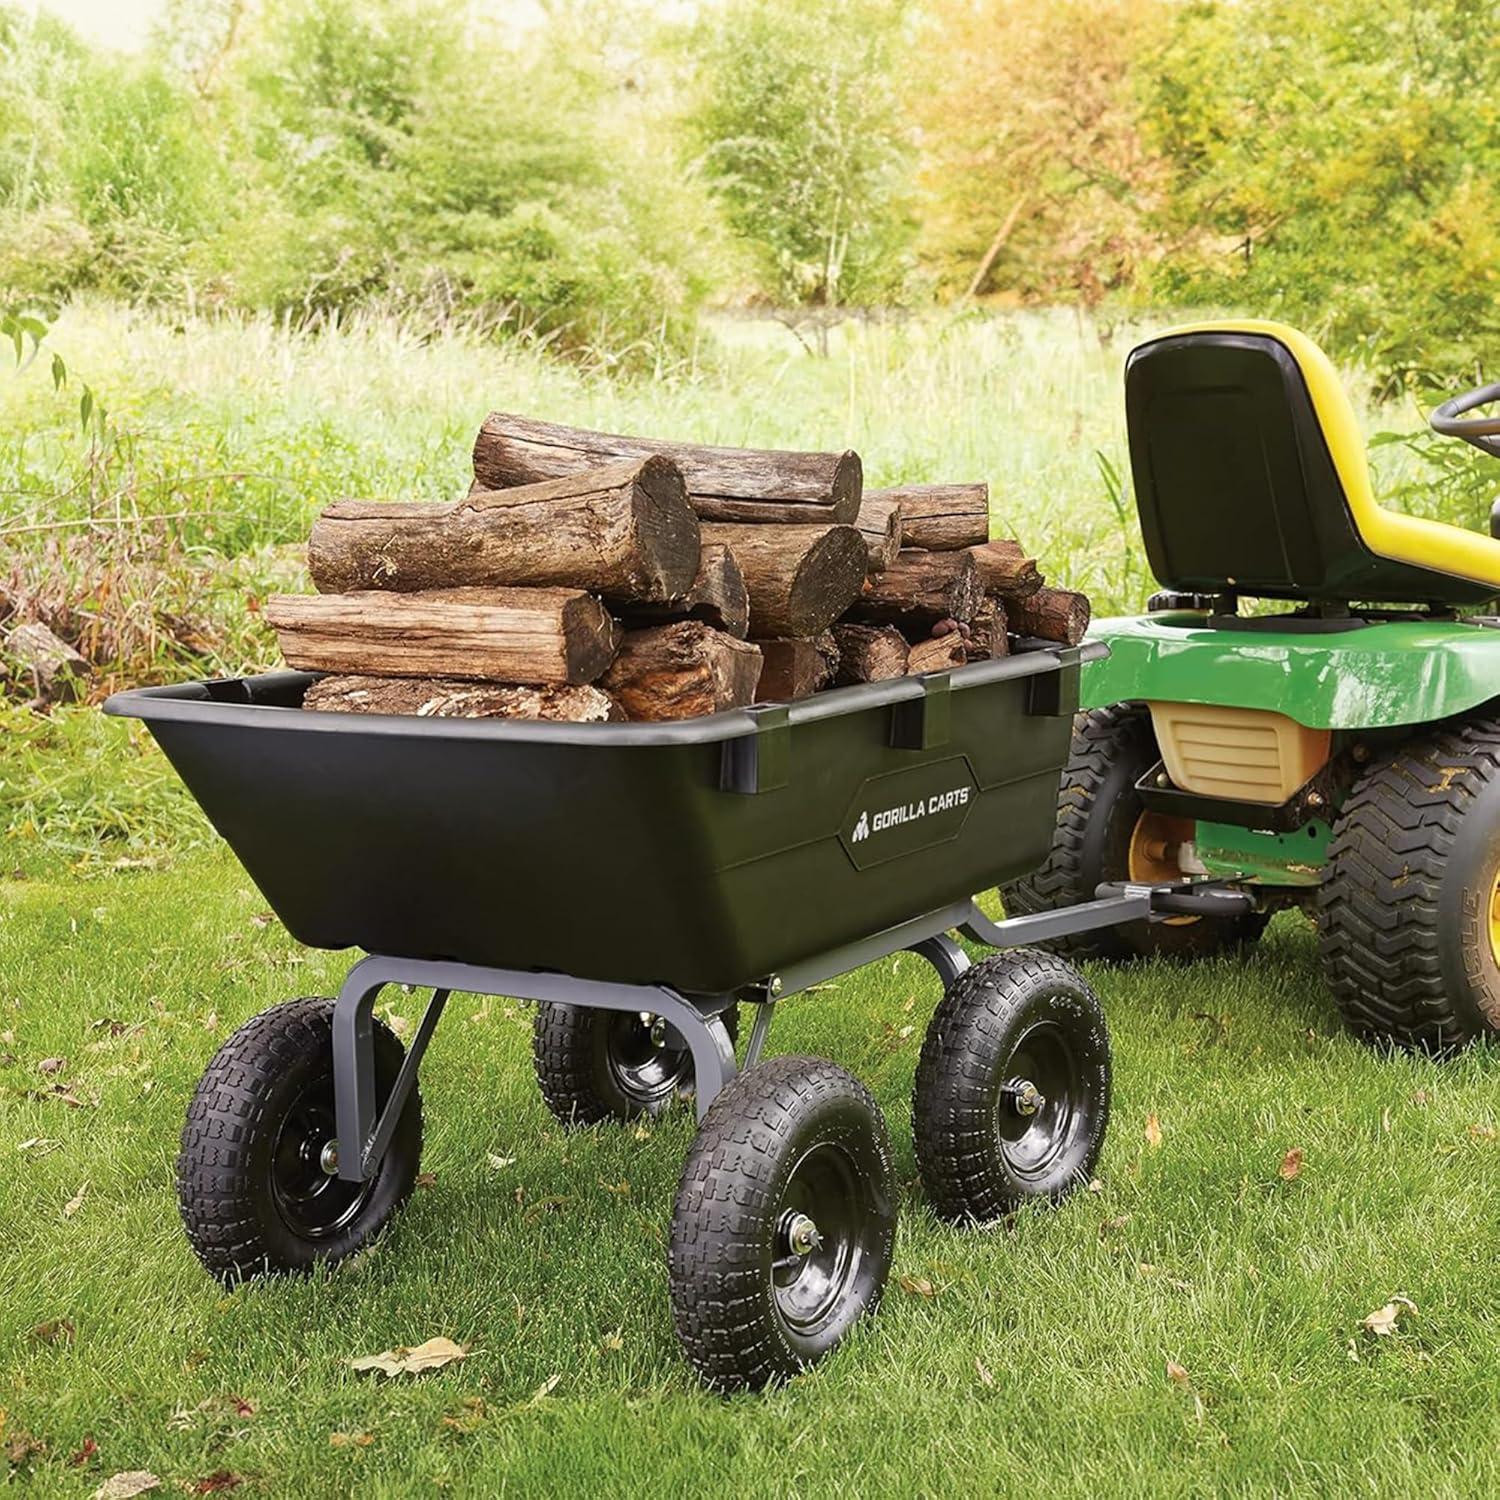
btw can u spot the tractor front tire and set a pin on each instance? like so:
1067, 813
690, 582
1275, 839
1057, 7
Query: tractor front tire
1409, 910
1100, 817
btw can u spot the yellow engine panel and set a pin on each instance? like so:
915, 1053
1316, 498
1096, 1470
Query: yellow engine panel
1241, 754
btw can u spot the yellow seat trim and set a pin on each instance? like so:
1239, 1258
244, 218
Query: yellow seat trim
1399, 538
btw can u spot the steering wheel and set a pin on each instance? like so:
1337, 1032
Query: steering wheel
1482, 432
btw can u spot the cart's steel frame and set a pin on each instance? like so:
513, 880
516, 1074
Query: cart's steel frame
698, 1019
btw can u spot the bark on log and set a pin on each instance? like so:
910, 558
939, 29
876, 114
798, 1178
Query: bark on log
940, 517
445, 698
936, 654
920, 588
726, 484
879, 523
626, 531
987, 632
1005, 569
1051, 615
795, 668
547, 636
800, 578
56, 669
681, 671
869, 653
718, 597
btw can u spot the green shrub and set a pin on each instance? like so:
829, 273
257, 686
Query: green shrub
802, 134
1333, 162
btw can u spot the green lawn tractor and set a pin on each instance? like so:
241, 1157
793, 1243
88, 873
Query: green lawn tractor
1340, 753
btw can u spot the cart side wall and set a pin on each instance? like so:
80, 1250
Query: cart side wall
625, 861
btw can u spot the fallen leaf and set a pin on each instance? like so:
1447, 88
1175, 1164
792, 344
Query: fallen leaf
983, 1372
918, 1286
216, 1483
123, 1486
500, 1163
351, 1439
54, 1331
38, 1145
52, 1065
1291, 1164
1096, 1185
1382, 1322
1484, 1133
1385, 1120
426, 1179
620, 1189
545, 1389
432, 1355
1177, 1374
74, 1203
1153, 1130
1114, 1225
242, 1407
613, 1342
84, 1454
1420, 1097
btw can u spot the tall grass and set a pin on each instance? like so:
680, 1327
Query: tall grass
153, 546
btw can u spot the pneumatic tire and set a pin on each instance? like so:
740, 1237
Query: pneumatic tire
1409, 910
1099, 815
785, 1223
1011, 1102
254, 1195
595, 1065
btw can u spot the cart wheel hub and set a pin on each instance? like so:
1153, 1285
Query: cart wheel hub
802, 1236
1023, 1097
328, 1158
658, 1033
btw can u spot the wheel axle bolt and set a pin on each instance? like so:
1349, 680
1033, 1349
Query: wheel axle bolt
802, 1235
1024, 1097
658, 1032
328, 1159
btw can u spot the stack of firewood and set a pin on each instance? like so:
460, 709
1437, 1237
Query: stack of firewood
592, 577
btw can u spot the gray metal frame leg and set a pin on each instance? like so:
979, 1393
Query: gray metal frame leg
363, 1138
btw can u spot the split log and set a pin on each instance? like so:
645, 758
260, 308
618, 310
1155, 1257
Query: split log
940, 517
800, 578
919, 589
681, 671
869, 653
726, 484
987, 632
879, 523
444, 698
626, 531
1051, 615
796, 668
936, 654
718, 597
56, 669
547, 636
1005, 569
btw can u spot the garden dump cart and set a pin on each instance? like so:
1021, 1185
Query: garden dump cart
641, 882
1341, 752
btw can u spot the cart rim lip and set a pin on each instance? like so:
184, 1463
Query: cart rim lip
212, 701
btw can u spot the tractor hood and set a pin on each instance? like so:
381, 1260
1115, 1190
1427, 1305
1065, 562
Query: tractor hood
1383, 673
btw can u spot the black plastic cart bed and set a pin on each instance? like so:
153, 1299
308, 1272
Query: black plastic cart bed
641, 881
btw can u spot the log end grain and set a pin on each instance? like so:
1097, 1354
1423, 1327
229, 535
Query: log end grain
796, 668
1051, 615
869, 653
682, 671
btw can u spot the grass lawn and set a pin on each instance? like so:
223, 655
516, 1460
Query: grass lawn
1039, 1362
131, 945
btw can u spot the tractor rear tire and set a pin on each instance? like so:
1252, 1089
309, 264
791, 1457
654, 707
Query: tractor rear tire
1098, 812
1409, 910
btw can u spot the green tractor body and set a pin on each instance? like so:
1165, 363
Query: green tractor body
1338, 747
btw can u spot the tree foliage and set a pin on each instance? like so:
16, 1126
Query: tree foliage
801, 132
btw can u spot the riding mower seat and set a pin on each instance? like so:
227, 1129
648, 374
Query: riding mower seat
1341, 754
1250, 477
